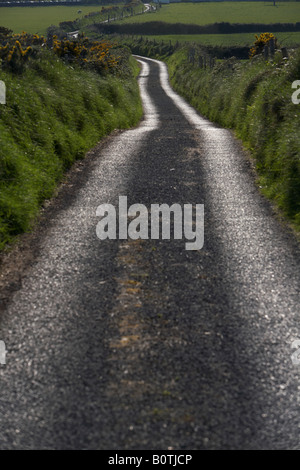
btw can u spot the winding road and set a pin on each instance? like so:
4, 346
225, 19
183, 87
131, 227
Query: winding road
142, 344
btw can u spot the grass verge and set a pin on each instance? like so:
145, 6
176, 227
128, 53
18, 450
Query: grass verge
254, 98
54, 113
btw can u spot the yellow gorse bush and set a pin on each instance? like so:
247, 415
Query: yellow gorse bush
18, 49
92, 54
14, 57
261, 41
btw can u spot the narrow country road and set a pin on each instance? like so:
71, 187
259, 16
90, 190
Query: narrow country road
142, 344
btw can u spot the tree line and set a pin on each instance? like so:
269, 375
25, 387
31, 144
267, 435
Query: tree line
160, 27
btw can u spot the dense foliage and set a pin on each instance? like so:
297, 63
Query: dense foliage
62, 98
253, 97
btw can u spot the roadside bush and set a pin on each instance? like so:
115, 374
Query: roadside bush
261, 41
254, 98
55, 111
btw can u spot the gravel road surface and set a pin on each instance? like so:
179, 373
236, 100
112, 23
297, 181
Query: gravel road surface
142, 344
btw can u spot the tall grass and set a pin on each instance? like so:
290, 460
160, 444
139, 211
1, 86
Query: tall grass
54, 113
253, 98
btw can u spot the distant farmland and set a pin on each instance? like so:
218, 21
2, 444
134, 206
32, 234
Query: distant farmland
221, 12
231, 12
38, 19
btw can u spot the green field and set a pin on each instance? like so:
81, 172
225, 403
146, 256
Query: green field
38, 19
231, 12
226, 40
